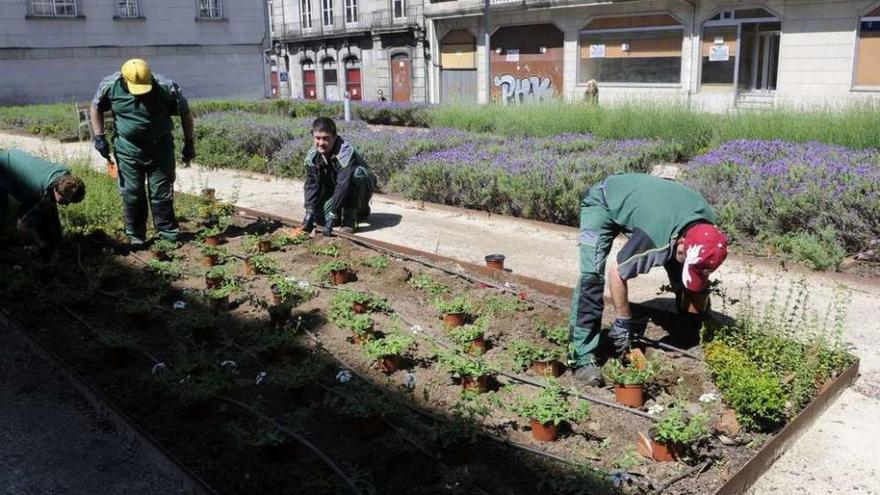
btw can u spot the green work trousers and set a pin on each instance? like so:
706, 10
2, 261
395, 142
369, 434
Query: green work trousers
146, 176
597, 233
355, 206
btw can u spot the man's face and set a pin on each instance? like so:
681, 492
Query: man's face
324, 141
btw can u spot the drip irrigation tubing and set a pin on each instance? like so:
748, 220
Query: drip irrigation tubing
675, 479
299, 438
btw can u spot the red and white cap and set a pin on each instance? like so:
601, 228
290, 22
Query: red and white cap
705, 249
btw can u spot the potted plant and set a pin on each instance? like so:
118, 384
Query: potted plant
280, 239
457, 436
361, 327
208, 194
542, 361
349, 301
337, 271
162, 249
219, 297
388, 352
550, 407
137, 311
454, 310
556, 334
117, 347
365, 409
201, 325
211, 255
298, 382
262, 263
214, 277
629, 380
279, 313
472, 371
331, 250
211, 235
675, 433
195, 384
168, 270
257, 243
285, 289
471, 337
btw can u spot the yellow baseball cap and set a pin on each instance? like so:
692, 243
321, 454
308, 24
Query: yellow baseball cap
138, 76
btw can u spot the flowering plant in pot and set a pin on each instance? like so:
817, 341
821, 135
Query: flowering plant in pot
473, 371
542, 361
138, 311
211, 235
546, 410
471, 337
286, 289
298, 382
364, 407
201, 325
346, 301
168, 270
219, 297
211, 255
280, 239
389, 350
629, 380
454, 310
117, 346
457, 436
257, 243
675, 433
263, 264
195, 382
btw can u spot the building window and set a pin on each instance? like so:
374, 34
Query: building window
718, 55
327, 12
127, 8
353, 78
305, 7
331, 80
351, 11
310, 85
636, 49
211, 9
399, 8
53, 8
868, 52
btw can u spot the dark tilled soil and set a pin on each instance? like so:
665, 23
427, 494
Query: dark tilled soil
401, 459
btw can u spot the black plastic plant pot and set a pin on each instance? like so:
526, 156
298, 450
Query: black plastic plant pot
495, 261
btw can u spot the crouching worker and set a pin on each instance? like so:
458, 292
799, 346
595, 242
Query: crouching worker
668, 225
338, 185
38, 186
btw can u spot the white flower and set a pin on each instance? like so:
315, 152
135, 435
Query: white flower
302, 284
656, 409
344, 376
260, 377
409, 380
179, 305
158, 367
290, 278
416, 329
229, 364
707, 398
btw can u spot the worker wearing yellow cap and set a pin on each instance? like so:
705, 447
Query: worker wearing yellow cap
142, 104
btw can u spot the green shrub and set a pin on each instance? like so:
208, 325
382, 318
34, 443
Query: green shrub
821, 250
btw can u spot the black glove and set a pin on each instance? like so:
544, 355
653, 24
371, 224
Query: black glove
308, 224
102, 146
188, 152
624, 332
328, 225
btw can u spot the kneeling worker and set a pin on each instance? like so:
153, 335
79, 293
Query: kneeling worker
668, 225
39, 186
338, 185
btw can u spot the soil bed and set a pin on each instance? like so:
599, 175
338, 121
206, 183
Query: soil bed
174, 374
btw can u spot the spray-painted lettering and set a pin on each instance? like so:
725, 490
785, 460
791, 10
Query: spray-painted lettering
526, 89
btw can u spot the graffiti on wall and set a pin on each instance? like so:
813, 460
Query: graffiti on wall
529, 89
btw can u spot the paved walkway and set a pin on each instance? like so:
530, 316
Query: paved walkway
833, 457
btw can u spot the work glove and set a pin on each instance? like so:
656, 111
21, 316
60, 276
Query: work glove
308, 223
624, 332
188, 152
102, 146
328, 225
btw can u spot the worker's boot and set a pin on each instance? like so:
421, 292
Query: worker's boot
349, 220
589, 375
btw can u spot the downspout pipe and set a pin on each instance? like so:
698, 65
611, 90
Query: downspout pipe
266, 45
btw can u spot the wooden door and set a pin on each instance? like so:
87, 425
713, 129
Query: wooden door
401, 79
310, 88
353, 83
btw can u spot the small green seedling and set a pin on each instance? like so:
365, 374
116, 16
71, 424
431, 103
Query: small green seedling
424, 282
551, 405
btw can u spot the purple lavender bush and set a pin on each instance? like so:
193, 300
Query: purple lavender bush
539, 178
814, 201
242, 140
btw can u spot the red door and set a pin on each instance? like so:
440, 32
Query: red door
310, 86
353, 83
401, 83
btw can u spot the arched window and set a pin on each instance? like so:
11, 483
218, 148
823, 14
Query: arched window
310, 85
868, 52
353, 77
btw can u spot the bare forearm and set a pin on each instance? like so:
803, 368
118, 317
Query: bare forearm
97, 119
619, 292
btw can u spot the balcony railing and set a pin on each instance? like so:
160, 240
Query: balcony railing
378, 20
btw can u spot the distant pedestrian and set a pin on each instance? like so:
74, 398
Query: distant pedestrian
142, 104
380, 95
338, 185
38, 186
591, 95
